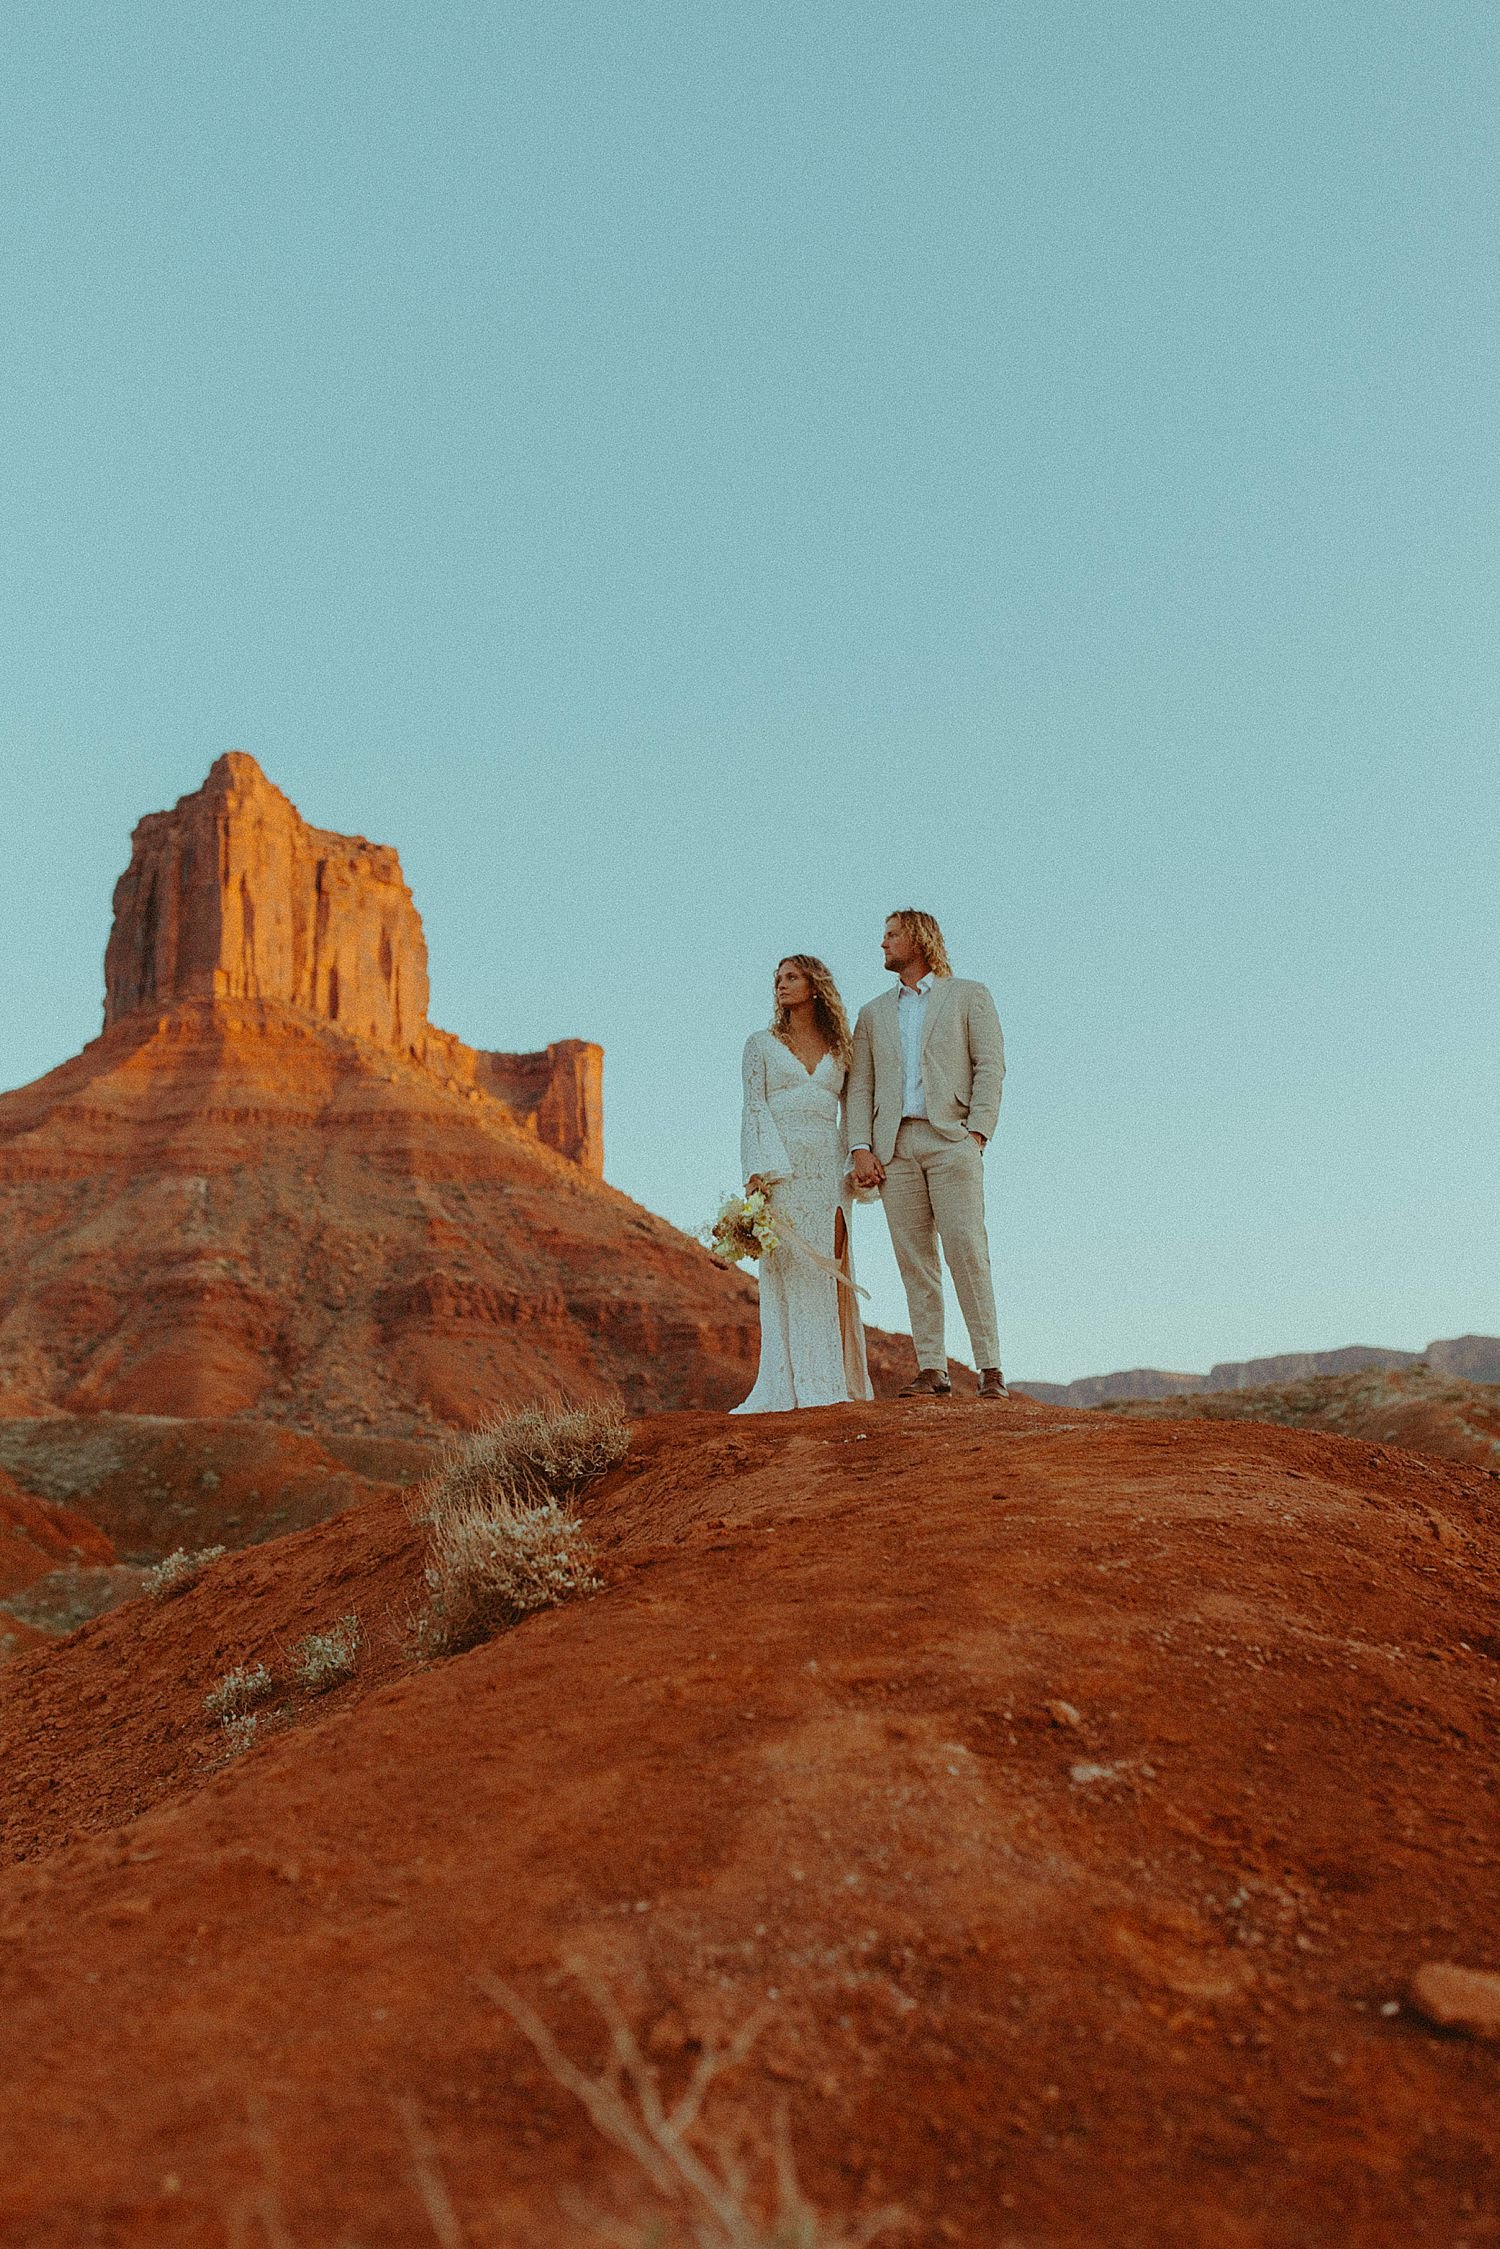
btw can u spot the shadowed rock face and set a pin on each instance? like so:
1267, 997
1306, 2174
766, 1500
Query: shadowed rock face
232, 896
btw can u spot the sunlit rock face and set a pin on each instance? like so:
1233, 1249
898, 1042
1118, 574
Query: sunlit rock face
232, 895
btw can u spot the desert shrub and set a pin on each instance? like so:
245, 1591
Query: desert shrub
324, 1658
527, 1458
502, 1537
239, 1690
714, 2196
177, 1572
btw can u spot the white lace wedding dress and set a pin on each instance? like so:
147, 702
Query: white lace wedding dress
812, 1340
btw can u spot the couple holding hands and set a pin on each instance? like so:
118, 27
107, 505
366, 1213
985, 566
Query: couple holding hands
901, 1109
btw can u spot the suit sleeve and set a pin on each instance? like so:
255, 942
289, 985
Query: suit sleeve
762, 1149
859, 1094
987, 1054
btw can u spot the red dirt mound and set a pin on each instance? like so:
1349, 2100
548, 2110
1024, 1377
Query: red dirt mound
151, 1484
40, 1543
87, 1500
1077, 1794
36, 1536
231, 1208
1420, 1409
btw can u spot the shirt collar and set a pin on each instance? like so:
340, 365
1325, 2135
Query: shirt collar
915, 991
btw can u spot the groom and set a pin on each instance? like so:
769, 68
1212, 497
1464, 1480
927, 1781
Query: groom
924, 1097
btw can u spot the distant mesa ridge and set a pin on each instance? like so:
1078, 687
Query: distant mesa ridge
1466, 1358
232, 895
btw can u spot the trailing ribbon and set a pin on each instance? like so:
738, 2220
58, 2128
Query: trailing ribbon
787, 1237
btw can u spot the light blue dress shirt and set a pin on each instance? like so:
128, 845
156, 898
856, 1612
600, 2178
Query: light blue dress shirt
911, 1015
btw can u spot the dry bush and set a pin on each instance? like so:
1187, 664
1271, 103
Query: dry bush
536, 1454
324, 1658
177, 1572
239, 1690
707, 2187
503, 1539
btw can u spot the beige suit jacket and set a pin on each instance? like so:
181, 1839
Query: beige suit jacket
963, 1066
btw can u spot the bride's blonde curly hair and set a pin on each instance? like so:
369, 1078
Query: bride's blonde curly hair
828, 1008
924, 933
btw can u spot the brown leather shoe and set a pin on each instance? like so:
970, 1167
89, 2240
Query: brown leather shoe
928, 1384
992, 1383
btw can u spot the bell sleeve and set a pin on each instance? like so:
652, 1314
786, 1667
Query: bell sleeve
762, 1149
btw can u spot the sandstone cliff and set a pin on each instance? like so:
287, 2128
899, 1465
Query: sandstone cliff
233, 896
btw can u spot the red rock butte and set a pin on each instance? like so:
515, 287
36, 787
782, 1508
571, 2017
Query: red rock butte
273, 1187
232, 896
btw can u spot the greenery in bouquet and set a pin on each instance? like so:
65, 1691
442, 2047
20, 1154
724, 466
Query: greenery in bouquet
744, 1227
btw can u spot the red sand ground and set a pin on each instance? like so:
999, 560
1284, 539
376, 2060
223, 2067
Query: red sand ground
1048, 1984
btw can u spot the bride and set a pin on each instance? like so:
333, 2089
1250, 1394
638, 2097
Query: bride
794, 1144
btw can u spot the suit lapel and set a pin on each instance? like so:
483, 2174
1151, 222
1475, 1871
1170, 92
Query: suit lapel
886, 1009
939, 999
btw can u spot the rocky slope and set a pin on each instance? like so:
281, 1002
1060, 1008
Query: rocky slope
1075, 1798
231, 1208
1418, 1408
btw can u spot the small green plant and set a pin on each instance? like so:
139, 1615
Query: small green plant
177, 1572
240, 1730
324, 1658
238, 1691
503, 1539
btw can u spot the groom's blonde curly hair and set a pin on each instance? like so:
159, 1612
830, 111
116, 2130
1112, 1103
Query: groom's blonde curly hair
924, 933
828, 1008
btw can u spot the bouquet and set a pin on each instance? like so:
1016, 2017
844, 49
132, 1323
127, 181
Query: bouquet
744, 1227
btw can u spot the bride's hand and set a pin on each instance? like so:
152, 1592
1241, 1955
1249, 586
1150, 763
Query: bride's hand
755, 1185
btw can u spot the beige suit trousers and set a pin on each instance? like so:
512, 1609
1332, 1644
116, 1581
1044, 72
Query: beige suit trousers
934, 1191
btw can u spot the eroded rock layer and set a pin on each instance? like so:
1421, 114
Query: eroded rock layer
230, 1208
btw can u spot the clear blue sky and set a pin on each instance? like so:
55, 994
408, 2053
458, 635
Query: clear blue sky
696, 477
